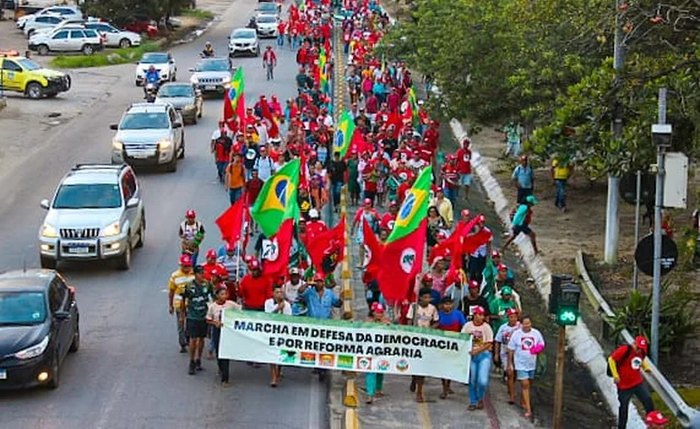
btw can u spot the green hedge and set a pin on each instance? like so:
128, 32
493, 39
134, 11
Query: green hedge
105, 58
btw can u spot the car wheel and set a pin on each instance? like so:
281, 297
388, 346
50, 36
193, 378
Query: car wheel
55, 373
42, 50
171, 167
124, 261
125, 43
173, 78
34, 91
142, 231
75, 344
88, 50
47, 263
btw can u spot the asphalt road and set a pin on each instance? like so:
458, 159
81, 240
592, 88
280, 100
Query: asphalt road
128, 373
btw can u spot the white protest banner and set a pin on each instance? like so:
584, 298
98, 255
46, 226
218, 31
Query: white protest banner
343, 345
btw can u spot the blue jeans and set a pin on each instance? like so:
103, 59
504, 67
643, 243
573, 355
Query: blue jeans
335, 190
280, 40
221, 170
451, 195
479, 377
234, 194
374, 383
560, 199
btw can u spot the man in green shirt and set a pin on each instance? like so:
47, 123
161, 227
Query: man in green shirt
194, 305
500, 305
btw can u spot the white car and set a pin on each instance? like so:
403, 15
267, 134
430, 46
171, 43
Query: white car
66, 23
245, 41
114, 37
71, 39
41, 23
266, 25
162, 61
65, 11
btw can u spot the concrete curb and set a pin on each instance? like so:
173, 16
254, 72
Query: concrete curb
584, 345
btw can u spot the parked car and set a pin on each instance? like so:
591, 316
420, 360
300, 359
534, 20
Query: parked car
67, 40
141, 25
41, 22
211, 75
64, 11
268, 8
162, 61
266, 25
39, 326
184, 97
96, 213
114, 37
245, 41
149, 134
20, 74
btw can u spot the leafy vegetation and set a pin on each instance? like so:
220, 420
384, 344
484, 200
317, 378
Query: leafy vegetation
124, 11
691, 396
106, 58
549, 65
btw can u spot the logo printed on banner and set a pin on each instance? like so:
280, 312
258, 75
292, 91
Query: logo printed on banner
383, 365
364, 362
308, 358
408, 259
345, 361
270, 250
327, 360
402, 365
288, 356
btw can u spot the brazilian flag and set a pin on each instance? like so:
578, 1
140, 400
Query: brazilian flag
343, 135
277, 200
414, 207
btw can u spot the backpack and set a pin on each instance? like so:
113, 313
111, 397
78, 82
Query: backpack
624, 356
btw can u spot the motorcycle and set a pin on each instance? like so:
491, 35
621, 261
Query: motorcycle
150, 92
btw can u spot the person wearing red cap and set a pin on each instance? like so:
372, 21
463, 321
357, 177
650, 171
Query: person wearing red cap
179, 279
211, 264
374, 382
191, 234
656, 420
255, 288
450, 178
474, 299
500, 353
424, 315
625, 365
482, 343
523, 347
389, 217
464, 165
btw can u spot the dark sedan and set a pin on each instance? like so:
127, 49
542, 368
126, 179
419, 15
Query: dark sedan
39, 325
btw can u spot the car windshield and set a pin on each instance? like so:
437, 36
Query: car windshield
154, 58
28, 64
266, 19
243, 34
22, 308
213, 65
268, 7
176, 91
144, 121
88, 196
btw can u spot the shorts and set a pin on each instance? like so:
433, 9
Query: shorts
465, 179
524, 375
196, 328
525, 229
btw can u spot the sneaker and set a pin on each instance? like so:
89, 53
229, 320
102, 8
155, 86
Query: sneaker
198, 365
192, 368
183, 349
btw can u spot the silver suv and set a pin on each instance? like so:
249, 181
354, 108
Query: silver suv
96, 213
149, 134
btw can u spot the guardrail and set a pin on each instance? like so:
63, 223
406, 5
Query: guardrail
683, 412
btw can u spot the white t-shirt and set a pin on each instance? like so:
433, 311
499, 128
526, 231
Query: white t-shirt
503, 336
271, 305
215, 309
291, 291
520, 343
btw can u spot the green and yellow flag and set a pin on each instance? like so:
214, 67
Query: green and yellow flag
414, 207
277, 200
343, 135
323, 74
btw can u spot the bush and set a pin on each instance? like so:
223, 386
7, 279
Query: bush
677, 319
106, 58
198, 13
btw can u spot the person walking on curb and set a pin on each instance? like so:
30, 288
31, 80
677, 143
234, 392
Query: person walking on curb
524, 179
524, 346
214, 319
482, 342
560, 174
521, 223
374, 382
624, 366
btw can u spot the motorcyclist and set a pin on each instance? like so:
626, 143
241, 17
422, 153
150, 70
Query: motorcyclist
208, 50
152, 75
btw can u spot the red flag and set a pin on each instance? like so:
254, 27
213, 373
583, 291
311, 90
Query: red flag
472, 242
230, 222
327, 249
358, 144
275, 251
229, 115
274, 131
304, 170
395, 119
373, 250
401, 260
240, 110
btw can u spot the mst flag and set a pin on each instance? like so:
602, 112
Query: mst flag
343, 135
230, 222
277, 200
373, 250
401, 260
414, 207
327, 248
274, 251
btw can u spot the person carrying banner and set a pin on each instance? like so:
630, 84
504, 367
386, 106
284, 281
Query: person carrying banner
374, 382
214, 319
425, 315
277, 304
450, 319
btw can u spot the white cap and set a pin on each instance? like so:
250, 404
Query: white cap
313, 213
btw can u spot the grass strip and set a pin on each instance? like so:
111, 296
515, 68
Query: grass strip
107, 57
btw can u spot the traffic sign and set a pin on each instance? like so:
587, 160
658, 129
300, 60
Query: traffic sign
644, 255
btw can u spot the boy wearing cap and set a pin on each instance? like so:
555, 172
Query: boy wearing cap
521, 222
626, 364
374, 382
482, 343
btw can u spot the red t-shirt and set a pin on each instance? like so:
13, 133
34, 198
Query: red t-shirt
252, 189
387, 221
451, 176
254, 291
464, 161
630, 369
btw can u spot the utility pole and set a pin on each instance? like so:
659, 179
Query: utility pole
559, 378
638, 202
612, 220
659, 130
